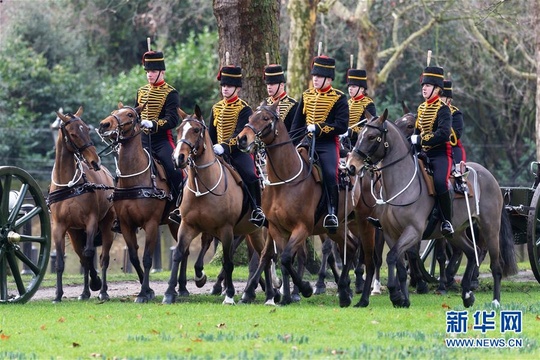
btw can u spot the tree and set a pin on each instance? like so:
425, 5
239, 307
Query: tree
247, 30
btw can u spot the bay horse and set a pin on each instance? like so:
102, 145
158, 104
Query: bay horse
79, 205
213, 204
404, 207
141, 196
293, 206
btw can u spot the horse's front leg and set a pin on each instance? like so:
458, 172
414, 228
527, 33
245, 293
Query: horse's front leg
89, 254
200, 276
147, 293
60, 263
320, 285
228, 267
295, 242
440, 255
185, 234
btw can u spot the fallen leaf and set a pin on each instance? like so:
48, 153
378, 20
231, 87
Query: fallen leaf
4, 336
221, 326
76, 344
375, 322
62, 319
139, 316
96, 355
255, 325
538, 317
196, 340
446, 306
43, 327
153, 331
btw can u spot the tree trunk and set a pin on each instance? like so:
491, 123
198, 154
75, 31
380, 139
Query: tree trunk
247, 30
303, 16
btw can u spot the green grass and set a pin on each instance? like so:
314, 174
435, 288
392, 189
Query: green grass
316, 328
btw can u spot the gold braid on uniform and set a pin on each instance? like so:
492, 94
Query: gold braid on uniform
453, 136
154, 97
285, 105
427, 113
317, 106
356, 110
225, 119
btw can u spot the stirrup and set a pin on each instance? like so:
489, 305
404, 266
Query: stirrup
116, 227
175, 216
330, 223
446, 229
257, 217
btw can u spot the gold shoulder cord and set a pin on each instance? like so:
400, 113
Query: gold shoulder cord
356, 110
427, 113
317, 106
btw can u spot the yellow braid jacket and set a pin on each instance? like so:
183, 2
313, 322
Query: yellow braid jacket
228, 119
434, 122
357, 107
328, 110
155, 97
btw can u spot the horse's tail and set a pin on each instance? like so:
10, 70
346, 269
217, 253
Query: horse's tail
506, 245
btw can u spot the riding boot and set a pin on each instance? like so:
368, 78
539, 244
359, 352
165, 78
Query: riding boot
445, 204
257, 215
116, 226
330, 221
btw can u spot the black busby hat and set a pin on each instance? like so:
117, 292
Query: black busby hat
230, 75
433, 75
447, 89
357, 77
153, 60
324, 66
273, 74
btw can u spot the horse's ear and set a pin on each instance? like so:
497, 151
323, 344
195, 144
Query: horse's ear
275, 106
198, 112
264, 103
79, 112
139, 108
181, 113
62, 116
369, 117
405, 107
384, 116
120, 105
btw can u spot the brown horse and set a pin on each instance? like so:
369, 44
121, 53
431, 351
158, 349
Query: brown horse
78, 204
292, 203
214, 203
142, 197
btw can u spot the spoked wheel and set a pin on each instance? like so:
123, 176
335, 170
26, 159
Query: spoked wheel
25, 235
533, 234
429, 267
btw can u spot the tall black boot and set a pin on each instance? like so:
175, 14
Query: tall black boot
257, 215
330, 221
445, 204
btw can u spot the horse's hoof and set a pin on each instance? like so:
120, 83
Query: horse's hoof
141, 299
84, 296
441, 291
397, 298
295, 298
306, 289
169, 299
469, 301
319, 290
150, 294
57, 301
344, 300
201, 282
286, 300
95, 284
422, 287
216, 290
183, 293
228, 301
277, 296
362, 303
103, 296
359, 287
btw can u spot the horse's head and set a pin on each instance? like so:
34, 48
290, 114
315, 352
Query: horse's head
371, 146
406, 122
76, 136
260, 129
122, 123
191, 138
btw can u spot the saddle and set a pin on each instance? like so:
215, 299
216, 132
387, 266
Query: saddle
456, 180
344, 180
231, 168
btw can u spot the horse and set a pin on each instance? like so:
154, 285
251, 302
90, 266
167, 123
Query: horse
79, 205
214, 203
448, 257
404, 208
141, 197
293, 206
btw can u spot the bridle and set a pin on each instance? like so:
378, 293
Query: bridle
194, 148
380, 140
120, 125
267, 130
67, 138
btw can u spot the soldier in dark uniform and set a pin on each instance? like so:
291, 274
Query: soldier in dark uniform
324, 112
432, 133
159, 117
275, 86
228, 118
458, 151
359, 102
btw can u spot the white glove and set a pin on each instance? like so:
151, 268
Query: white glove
311, 128
218, 149
147, 124
415, 139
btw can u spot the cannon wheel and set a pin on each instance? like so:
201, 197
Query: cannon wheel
23, 257
533, 234
429, 267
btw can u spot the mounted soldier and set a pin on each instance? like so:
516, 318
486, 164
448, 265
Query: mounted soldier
274, 79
